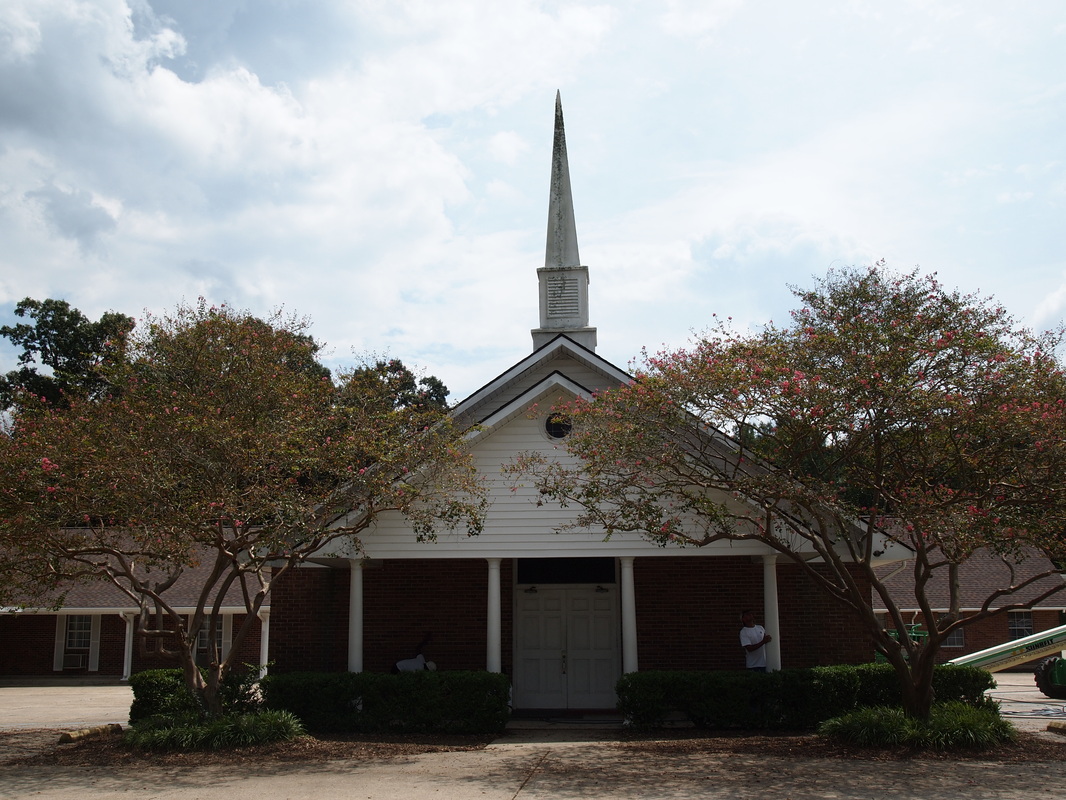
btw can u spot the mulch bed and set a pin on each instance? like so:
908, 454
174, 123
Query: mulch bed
41, 748
1028, 748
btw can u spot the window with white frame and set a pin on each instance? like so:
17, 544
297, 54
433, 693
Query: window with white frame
1019, 624
957, 638
79, 631
201, 637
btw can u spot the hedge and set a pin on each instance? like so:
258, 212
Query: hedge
416, 702
162, 693
796, 699
159, 693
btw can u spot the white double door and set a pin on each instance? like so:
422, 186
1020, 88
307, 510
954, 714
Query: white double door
567, 653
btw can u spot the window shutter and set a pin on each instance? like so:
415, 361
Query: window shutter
61, 642
94, 645
227, 635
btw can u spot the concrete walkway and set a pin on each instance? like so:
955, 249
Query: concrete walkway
535, 761
537, 771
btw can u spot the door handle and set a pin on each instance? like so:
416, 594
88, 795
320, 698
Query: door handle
564, 662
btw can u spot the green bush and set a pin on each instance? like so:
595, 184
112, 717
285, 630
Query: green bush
191, 732
968, 684
796, 699
707, 699
159, 693
647, 699
880, 726
953, 725
162, 692
416, 702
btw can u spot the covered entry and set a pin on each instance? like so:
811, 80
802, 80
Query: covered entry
567, 642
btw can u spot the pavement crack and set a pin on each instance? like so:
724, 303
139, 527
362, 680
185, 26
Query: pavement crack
532, 772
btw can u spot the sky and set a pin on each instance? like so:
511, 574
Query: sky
381, 167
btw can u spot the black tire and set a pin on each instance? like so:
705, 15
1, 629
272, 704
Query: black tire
1043, 679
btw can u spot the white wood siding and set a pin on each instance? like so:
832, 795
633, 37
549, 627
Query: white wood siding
516, 526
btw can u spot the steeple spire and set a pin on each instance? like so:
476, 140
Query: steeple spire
561, 250
564, 292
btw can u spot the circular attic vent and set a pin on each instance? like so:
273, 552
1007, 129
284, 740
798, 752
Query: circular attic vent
558, 426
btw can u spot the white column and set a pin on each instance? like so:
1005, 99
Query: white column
264, 640
355, 616
493, 655
771, 615
629, 615
127, 646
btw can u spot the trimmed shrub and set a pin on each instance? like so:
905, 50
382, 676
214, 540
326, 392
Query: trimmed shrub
647, 699
162, 692
226, 731
417, 702
951, 726
968, 684
707, 699
797, 699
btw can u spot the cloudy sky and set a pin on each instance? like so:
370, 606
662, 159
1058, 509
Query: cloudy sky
382, 166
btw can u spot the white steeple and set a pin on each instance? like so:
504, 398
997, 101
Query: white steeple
564, 293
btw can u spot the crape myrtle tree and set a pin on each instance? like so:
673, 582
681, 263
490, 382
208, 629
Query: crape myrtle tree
889, 412
225, 444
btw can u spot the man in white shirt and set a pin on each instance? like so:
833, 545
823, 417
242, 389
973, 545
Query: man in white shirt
753, 639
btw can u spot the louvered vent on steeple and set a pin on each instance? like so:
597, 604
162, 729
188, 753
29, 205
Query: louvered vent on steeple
564, 297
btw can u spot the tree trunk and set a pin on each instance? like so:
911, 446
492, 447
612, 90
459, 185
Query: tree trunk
916, 682
194, 679
212, 696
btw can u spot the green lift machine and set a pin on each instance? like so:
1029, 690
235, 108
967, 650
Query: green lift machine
1050, 673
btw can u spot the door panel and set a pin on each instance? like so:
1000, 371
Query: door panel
568, 648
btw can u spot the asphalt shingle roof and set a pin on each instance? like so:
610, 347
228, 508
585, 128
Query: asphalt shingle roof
979, 576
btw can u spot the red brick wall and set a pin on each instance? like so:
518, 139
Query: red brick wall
309, 620
688, 610
27, 645
149, 656
403, 600
816, 630
688, 615
112, 644
27, 642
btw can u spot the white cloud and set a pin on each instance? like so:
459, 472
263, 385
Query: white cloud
1013, 197
20, 33
507, 146
693, 18
382, 165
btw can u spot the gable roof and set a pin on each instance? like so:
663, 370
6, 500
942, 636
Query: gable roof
502, 390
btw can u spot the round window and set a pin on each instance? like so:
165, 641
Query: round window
558, 426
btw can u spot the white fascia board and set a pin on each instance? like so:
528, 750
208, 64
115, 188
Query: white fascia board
555, 380
543, 353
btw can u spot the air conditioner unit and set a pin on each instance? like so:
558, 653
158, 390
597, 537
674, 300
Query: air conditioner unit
74, 661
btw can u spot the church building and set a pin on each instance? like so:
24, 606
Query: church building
563, 614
